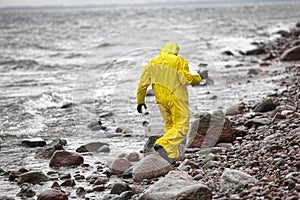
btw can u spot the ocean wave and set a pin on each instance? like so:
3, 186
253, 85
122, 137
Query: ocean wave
73, 55
33, 65
105, 44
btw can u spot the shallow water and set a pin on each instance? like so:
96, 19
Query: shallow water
94, 57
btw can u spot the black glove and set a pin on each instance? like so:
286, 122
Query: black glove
139, 107
204, 74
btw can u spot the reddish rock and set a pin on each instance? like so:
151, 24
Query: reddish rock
133, 157
264, 64
65, 159
291, 54
52, 194
209, 130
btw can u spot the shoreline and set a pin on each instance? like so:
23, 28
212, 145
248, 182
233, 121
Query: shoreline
267, 152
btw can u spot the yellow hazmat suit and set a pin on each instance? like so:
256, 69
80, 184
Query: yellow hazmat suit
169, 75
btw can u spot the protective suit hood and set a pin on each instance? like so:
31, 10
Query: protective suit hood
170, 48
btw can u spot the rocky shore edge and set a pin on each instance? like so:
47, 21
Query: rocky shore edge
258, 157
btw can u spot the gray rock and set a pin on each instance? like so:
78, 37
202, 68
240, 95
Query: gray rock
26, 191
34, 142
235, 110
177, 185
257, 122
265, 106
151, 166
65, 159
123, 130
120, 165
210, 164
68, 183
214, 150
119, 188
128, 173
93, 147
32, 177
291, 54
126, 195
48, 150
133, 157
231, 179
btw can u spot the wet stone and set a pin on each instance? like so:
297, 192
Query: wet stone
118, 188
32, 177
127, 173
127, 195
93, 147
65, 176
79, 177
265, 106
48, 150
23, 170
68, 183
100, 181
52, 194
99, 188
26, 191
33, 142
65, 159
80, 192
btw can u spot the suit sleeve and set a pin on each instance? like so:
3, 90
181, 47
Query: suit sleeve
143, 85
185, 76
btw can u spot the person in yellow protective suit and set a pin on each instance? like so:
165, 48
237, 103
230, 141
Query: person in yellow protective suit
169, 75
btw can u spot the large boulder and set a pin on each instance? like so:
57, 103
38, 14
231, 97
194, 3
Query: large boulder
151, 166
209, 130
34, 177
177, 185
291, 54
52, 194
65, 159
93, 147
232, 179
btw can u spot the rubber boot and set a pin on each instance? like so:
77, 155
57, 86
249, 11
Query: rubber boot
162, 152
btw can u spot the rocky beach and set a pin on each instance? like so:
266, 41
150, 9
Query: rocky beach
246, 150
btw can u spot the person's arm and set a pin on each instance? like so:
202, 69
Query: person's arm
143, 85
185, 76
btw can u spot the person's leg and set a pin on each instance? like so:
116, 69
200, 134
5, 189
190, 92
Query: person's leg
180, 126
167, 116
